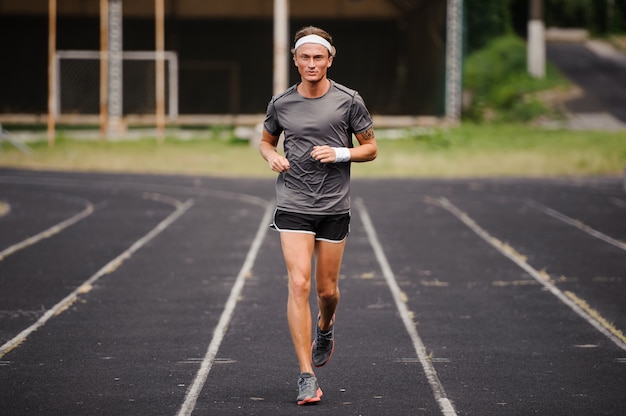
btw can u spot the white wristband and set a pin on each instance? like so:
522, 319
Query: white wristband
342, 154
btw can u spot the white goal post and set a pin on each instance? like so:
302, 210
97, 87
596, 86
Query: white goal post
84, 82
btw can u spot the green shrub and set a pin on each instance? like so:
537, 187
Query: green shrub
499, 84
493, 64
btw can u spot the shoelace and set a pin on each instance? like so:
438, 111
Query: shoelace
306, 382
323, 341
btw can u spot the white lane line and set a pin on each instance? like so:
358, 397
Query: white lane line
445, 405
111, 266
89, 209
194, 390
578, 224
537, 275
5, 208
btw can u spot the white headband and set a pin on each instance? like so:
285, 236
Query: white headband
314, 39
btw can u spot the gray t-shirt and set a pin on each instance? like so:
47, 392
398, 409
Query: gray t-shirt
310, 186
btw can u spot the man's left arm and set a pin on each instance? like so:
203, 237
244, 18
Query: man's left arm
367, 149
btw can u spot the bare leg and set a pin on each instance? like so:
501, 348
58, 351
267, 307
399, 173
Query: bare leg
298, 252
327, 266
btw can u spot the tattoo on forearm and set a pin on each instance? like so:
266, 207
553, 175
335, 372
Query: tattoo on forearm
368, 134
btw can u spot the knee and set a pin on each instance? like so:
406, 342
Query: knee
328, 294
299, 287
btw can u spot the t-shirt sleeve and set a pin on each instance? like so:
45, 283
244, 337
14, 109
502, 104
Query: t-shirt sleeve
271, 120
360, 118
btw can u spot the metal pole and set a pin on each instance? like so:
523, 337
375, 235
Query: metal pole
454, 60
173, 86
281, 46
115, 67
536, 54
104, 67
52, 42
160, 69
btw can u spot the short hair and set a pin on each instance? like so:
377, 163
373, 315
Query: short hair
312, 30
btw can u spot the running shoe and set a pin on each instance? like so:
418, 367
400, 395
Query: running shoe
323, 345
308, 389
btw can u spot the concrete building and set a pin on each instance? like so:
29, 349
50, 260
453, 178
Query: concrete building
394, 52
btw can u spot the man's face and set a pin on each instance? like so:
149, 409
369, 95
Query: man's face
312, 61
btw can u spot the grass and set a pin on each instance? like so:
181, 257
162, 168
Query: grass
470, 150
504, 150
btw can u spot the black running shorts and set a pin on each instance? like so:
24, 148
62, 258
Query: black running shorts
333, 228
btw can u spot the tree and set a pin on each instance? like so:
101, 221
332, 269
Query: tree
486, 20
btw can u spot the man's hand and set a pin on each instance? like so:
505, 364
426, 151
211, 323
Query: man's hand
278, 163
324, 154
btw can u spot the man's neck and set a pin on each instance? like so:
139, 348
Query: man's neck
314, 89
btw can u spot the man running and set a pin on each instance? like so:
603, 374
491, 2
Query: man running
318, 118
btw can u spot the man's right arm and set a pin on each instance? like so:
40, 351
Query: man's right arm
267, 147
